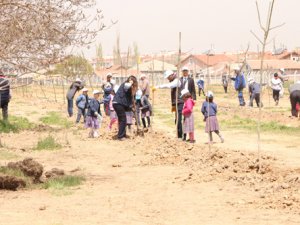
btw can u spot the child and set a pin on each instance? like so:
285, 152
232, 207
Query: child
94, 115
112, 113
82, 104
188, 124
106, 97
209, 110
146, 110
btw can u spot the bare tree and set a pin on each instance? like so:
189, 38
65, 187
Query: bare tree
37, 33
266, 31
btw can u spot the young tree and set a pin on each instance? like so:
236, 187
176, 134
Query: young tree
99, 54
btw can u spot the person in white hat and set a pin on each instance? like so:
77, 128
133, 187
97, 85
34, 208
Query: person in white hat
145, 86
209, 110
239, 84
188, 82
82, 104
94, 116
173, 84
75, 87
254, 91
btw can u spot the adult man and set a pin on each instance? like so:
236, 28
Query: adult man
295, 98
254, 91
173, 84
4, 95
225, 82
75, 87
188, 82
239, 84
144, 86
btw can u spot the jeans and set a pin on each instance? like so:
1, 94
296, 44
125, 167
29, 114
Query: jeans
81, 112
241, 98
70, 107
179, 125
201, 90
120, 110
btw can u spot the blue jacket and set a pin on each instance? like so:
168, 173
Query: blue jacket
239, 82
213, 109
124, 97
200, 84
254, 88
82, 101
94, 106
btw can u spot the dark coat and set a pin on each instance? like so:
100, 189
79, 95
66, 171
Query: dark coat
190, 86
94, 106
75, 86
5, 91
124, 97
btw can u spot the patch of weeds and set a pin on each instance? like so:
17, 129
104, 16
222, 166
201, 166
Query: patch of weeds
54, 118
47, 143
249, 124
15, 124
16, 173
6, 155
61, 185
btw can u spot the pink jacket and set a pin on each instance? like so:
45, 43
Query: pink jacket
188, 107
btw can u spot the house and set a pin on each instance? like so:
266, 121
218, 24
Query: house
290, 66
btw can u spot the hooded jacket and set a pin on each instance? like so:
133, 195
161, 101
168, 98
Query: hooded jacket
188, 107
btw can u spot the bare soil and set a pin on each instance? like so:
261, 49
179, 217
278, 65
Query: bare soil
157, 179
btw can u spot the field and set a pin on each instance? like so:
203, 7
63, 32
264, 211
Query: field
155, 179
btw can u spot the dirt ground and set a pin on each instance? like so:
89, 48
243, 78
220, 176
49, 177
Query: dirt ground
158, 179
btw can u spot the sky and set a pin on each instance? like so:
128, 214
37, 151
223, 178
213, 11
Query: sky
224, 24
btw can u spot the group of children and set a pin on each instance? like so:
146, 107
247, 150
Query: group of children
209, 110
90, 109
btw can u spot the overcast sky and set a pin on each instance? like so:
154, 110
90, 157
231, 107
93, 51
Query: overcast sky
225, 24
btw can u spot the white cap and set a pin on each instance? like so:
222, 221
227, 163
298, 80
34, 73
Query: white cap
138, 94
168, 73
210, 94
96, 92
236, 68
298, 82
201, 79
113, 81
85, 90
185, 68
184, 92
116, 88
78, 80
143, 75
250, 80
282, 70
109, 75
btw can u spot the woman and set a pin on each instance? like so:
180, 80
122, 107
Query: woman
277, 87
123, 101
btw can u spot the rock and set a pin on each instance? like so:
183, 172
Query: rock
29, 167
42, 208
11, 183
116, 165
54, 173
288, 203
285, 186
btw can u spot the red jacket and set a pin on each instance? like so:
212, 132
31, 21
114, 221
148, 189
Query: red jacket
188, 107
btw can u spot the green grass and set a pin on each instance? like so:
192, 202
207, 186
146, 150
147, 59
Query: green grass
15, 124
249, 124
47, 143
54, 118
16, 173
61, 185
6, 155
